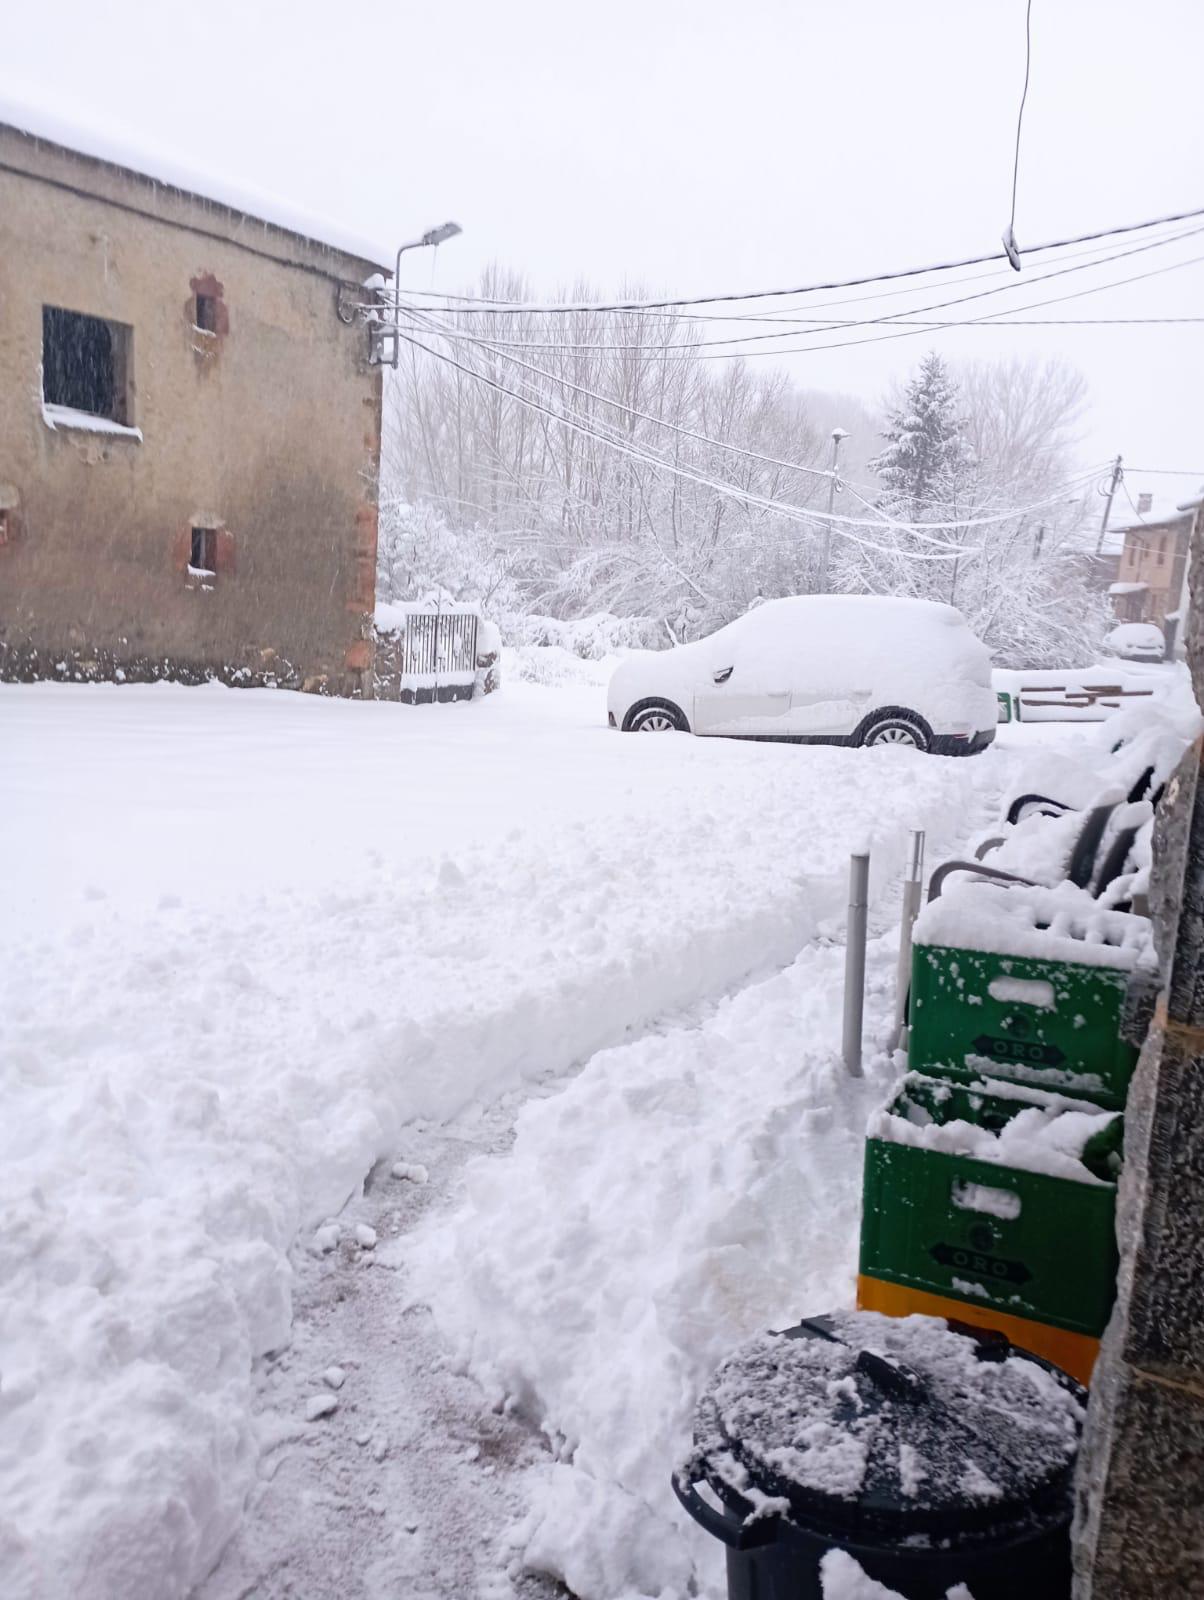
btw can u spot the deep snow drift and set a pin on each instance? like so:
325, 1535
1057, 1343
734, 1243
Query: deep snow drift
251, 935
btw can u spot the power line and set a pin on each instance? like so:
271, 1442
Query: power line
733, 491
824, 327
898, 318
1140, 515
460, 336
390, 298
1009, 239
985, 321
919, 530
562, 307
988, 318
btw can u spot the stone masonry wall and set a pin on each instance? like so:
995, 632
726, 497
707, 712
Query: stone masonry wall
266, 429
1139, 1532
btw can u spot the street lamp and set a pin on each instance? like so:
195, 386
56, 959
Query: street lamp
431, 238
838, 437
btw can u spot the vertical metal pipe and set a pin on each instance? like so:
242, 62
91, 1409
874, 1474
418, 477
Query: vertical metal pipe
854, 961
913, 886
838, 436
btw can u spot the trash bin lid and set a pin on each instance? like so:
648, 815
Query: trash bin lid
890, 1426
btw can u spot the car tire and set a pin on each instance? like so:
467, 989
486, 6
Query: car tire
895, 725
655, 716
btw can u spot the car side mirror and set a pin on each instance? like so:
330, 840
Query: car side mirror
723, 674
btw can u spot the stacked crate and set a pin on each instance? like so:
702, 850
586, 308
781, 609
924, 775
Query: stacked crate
990, 1178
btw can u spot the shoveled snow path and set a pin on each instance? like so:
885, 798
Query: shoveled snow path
421, 1484
417, 1486
409, 1489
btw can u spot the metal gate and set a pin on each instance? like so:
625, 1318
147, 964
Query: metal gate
439, 655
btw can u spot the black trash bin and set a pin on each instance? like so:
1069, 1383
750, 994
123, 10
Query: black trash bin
932, 1456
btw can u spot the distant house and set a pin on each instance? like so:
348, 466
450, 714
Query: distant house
1150, 576
189, 429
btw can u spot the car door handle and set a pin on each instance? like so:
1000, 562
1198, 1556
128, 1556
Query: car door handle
723, 674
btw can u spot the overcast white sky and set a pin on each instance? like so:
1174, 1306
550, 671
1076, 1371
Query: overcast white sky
695, 147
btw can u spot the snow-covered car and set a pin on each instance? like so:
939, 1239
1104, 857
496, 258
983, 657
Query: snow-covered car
823, 669
1137, 641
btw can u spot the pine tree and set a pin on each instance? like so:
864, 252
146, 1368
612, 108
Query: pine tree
926, 468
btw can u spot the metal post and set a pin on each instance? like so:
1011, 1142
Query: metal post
1103, 527
854, 961
433, 237
913, 886
838, 437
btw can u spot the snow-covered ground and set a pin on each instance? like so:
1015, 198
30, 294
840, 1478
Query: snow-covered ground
258, 943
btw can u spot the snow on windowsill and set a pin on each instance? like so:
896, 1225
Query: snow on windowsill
86, 422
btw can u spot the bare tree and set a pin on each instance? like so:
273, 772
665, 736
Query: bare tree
571, 464
1022, 421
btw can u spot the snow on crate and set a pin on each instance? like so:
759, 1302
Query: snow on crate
1057, 923
1049, 1134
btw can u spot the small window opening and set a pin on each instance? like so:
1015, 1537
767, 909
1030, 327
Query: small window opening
86, 364
1162, 551
204, 552
206, 313
4, 529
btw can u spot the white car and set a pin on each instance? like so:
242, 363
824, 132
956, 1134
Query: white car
1137, 641
820, 669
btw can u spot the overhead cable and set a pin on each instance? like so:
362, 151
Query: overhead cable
388, 296
1009, 234
896, 318
563, 307
732, 491
919, 530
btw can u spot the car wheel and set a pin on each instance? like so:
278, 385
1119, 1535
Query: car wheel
895, 726
657, 716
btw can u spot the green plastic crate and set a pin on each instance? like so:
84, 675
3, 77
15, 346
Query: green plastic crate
1054, 1024
1044, 1247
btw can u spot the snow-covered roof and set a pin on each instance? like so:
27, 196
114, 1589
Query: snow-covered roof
1162, 510
122, 151
1127, 588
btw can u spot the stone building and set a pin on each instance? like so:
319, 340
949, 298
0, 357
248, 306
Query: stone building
189, 431
1151, 574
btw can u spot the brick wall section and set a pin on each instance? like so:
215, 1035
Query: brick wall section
266, 428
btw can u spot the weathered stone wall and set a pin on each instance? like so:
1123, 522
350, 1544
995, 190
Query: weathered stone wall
1140, 1518
267, 428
